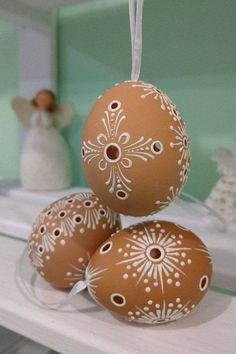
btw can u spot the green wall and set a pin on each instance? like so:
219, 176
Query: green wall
189, 51
9, 131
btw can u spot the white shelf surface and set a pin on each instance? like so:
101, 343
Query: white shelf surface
83, 327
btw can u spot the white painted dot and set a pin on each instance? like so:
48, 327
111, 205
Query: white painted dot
128, 266
126, 254
176, 275
68, 274
47, 258
178, 299
130, 313
137, 313
177, 284
171, 305
169, 281
125, 276
145, 281
128, 245
104, 226
149, 302
146, 308
183, 254
80, 259
148, 289
119, 250
157, 306
179, 306
82, 230
182, 263
179, 242
134, 275
189, 261
132, 317
62, 242
71, 284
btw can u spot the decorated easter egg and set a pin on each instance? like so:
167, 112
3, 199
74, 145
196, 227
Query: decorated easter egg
152, 272
135, 143
65, 236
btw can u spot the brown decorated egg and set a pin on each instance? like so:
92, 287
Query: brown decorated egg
136, 145
152, 272
65, 236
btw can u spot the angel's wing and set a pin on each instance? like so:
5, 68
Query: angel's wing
224, 159
64, 115
24, 110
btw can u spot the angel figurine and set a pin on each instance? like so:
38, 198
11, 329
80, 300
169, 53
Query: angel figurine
45, 159
223, 195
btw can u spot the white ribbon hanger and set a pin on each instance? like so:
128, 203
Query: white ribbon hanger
135, 17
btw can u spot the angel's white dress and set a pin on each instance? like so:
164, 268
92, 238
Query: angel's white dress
45, 160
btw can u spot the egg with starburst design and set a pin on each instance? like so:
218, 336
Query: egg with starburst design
153, 272
135, 143
65, 236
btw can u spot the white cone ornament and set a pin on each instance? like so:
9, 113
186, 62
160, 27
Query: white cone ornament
65, 236
135, 149
153, 272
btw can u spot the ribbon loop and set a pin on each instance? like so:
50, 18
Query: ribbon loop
28, 287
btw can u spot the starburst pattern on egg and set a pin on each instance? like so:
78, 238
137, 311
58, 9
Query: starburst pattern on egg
153, 272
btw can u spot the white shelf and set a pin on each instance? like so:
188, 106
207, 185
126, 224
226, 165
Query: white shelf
83, 327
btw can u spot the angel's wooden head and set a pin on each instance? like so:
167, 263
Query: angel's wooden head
45, 101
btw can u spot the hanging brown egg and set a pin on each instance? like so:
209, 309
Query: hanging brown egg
136, 145
152, 272
66, 234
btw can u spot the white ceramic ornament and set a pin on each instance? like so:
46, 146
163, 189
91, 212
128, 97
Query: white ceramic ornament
45, 158
222, 198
